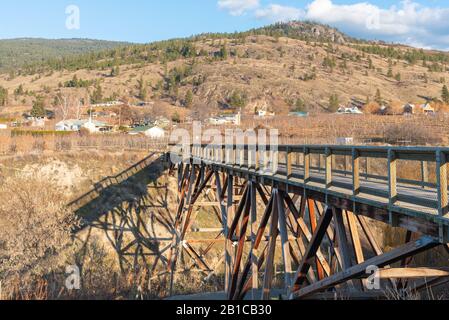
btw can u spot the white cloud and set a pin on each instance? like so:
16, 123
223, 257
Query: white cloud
238, 7
408, 22
278, 13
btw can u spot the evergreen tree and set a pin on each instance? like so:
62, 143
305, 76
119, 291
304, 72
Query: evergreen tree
299, 105
3, 96
445, 94
390, 72
189, 99
38, 110
143, 93
378, 97
334, 103
224, 52
115, 71
97, 95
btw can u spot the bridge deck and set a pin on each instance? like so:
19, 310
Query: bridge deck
417, 205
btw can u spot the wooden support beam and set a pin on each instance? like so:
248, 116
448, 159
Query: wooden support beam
312, 249
286, 254
313, 226
342, 239
269, 266
253, 254
410, 273
395, 255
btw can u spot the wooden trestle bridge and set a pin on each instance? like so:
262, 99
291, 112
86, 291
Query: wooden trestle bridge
310, 220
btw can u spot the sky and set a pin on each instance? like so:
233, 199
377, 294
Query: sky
420, 23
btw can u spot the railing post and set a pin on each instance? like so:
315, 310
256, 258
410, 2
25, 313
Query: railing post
289, 161
441, 174
367, 168
257, 159
275, 155
355, 172
250, 156
266, 159
424, 173
328, 163
306, 165
392, 177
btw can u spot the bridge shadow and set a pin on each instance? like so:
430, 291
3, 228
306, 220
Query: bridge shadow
130, 212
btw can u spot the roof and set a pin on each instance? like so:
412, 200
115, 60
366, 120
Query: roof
141, 129
299, 114
80, 123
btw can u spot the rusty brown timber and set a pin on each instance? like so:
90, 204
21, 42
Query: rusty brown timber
316, 211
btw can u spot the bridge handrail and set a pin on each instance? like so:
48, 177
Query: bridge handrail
249, 155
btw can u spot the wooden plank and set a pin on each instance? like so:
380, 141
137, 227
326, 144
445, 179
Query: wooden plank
285, 241
441, 174
312, 249
328, 164
392, 178
268, 277
395, 255
410, 273
253, 253
342, 239
313, 226
355, 172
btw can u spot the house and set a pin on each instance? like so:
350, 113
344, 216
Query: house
351, 110
162, 122
155, 133
262, 113
409, 108
299, 114
107, 104
428, 109
139, 130
235, 119
77, 125
345, 141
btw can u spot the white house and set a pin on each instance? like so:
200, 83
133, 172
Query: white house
77, 125
226, 119
353, 110
155, 133
261, 113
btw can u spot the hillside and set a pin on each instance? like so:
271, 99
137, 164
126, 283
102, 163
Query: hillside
15, 53
282, 67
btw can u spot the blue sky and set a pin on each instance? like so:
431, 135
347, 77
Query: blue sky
415, 22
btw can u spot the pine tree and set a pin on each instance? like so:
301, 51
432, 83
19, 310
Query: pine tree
189, 99
224, 52
38, 110
445, 94
299, 105
142, 89
97, 95
334, 103
390, 72
378, 97
3, 96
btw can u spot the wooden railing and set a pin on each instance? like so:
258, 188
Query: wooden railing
291, 162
